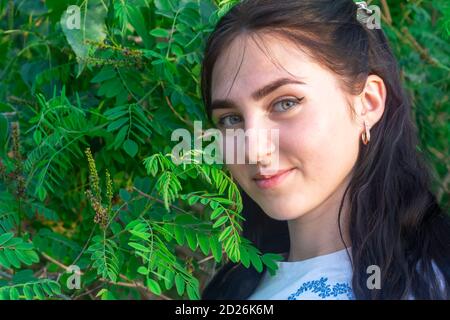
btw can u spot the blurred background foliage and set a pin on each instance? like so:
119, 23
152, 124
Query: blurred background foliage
86, 117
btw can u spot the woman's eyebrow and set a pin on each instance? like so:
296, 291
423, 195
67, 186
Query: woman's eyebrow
257, 95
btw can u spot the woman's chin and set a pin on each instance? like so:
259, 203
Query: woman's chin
281, 211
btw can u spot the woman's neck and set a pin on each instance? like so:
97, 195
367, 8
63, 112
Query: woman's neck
316, 232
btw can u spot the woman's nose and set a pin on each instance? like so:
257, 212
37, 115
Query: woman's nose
261, 144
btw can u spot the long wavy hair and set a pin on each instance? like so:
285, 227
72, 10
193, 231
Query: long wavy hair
395, 220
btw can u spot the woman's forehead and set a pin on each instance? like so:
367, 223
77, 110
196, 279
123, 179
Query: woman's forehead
253, 63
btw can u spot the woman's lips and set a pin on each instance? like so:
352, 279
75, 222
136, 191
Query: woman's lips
272, 181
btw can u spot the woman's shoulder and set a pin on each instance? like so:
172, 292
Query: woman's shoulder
322, 277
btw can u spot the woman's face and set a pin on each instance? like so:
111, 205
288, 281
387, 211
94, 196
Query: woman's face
318, 138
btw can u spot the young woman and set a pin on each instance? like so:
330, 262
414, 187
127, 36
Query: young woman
350, 205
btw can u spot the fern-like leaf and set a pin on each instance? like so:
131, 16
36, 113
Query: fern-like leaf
105, 258
39, 289
169, 187
15, 251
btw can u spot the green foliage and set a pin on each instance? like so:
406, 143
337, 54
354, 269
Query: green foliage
86, 117
14, 251
92, 29
39, 289
105, 257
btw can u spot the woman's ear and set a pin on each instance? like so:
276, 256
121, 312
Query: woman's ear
372, 100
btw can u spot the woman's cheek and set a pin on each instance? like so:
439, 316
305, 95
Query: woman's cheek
306, 144
302, 138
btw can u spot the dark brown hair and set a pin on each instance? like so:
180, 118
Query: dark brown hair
395, 220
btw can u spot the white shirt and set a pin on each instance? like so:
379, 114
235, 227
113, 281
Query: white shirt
326, 277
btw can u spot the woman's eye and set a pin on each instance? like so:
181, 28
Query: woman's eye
229, 120
286, 104
280, 106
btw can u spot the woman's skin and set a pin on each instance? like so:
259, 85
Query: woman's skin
319, 136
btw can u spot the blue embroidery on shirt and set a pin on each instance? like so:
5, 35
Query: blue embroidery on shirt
323, 289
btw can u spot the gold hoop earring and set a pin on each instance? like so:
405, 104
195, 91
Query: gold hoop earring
366, 133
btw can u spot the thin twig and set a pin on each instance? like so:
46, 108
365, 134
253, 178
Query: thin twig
386, 11
174, 111
8, 114
87, 292
142, 193
84, 248
133, 284
21, 100
422, 51
406, 37
5, 275
206, 259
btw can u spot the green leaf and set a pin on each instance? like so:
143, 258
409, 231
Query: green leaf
203, 241
269, 259
214, 204
225, 233
169, 186
37, 136
117, 124
4, 293
125, 195
220, 221
4, 261
31, 255
216, 248
137, 21
47, 289
158, 32
5, 238
256, 261
120, 137
139, 247
106, 73
192, 200
169, 279
141, 235
179, 234
180, 284
142, 270
192, 292
55, 287
23, 258
153, 286
106, 294
91, 29
191, 238
105, 257
12, 258
38, 291
245, 259
14, 294
217, 212
130, 147
28, 292
164, 5
186, 219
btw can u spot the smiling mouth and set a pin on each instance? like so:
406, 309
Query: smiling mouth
267, 182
